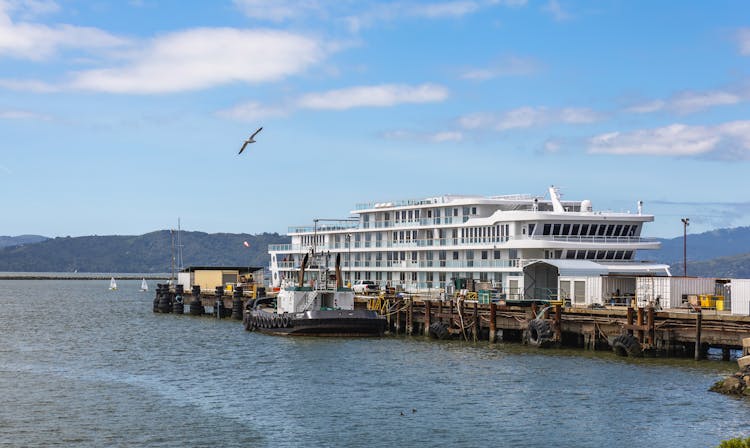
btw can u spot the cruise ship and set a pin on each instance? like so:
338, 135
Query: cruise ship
446, 242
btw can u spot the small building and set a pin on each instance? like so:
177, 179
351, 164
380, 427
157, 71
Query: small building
209, 277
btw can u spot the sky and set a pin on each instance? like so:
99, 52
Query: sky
121, 117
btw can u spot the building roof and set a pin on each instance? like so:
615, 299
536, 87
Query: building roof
591, 268
221, 268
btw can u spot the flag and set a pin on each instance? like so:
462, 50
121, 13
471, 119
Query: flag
246, 243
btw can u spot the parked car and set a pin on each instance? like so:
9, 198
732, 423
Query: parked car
365, 287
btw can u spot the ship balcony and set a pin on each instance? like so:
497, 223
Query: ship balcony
534, 242
587, 242
509, 264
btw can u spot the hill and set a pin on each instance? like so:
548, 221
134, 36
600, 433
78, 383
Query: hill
8, 241
736, 266
702, 246
151, 252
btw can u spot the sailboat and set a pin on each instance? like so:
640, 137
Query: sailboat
144, 285
112, 284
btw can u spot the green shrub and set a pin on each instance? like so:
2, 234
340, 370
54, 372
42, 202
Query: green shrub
737, 442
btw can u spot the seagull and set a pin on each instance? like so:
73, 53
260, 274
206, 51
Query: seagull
250, 140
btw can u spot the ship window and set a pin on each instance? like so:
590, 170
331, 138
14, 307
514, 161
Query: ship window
633, 230
610, 228
626, 230
402, 256
466, 211
610, 255
473, 210
584, 229
558, 254
496, 254
574, 229
570, 254
566, 229
618, 229
580, 255
414, 276
628, 254
531, 228
484, 255
416, 214
592, 230
618, 255
429, 213
441, 276
455, 212
556, 229
602, 229
387, 216
590, 255
411, 215
455, 255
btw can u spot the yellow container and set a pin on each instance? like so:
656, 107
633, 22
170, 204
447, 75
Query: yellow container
720, 304
707, 301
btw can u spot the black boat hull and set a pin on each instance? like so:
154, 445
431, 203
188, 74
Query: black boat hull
336, 323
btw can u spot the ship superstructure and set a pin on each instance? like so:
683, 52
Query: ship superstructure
429, 243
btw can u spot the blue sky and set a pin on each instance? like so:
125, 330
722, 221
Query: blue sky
119, 117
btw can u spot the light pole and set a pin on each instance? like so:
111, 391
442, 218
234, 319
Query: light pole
685, 223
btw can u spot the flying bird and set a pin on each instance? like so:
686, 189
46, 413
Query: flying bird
250, 140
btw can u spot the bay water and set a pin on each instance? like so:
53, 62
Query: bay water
84, 366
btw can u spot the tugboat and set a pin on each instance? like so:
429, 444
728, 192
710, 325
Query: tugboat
324, 308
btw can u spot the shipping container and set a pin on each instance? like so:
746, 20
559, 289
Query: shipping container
671, 292
740, 296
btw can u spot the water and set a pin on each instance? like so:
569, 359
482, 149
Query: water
84, 366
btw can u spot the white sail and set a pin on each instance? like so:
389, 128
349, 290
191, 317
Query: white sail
112, 284
144, 285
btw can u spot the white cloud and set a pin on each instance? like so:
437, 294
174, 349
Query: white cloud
694, 101
373, 96
38, 42
743, 38
28, 85
689, 102
252, 111
725, 141
447, 136
509, 66
556, 10
527, 117
437, 137
206, 57
278, 10
21, 115
386, 95
647, 107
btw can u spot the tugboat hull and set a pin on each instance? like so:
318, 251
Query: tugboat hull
357, 323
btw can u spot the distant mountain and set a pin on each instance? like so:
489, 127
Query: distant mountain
717, 253
151, 252
702, 246
7, 241
736, 266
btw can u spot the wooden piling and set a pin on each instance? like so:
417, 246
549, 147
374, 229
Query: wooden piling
410, 318
475, 326
558, 324
651, 330
640, 324
427, 319
698, 323
630, 319
493, 324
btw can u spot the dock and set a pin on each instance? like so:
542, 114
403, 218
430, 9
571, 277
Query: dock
629, 331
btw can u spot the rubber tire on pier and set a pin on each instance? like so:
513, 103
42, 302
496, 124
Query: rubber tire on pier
539, 332
439, 330
627, 345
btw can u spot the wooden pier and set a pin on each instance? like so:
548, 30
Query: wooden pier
628, 331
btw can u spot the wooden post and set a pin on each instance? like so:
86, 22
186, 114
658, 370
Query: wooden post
630, 319
410, 318
651, 332
388, 315
440, 311
493, 325
476, 321
533, 310
427, 310
698, 323
398, 317
640, 324
558, 323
